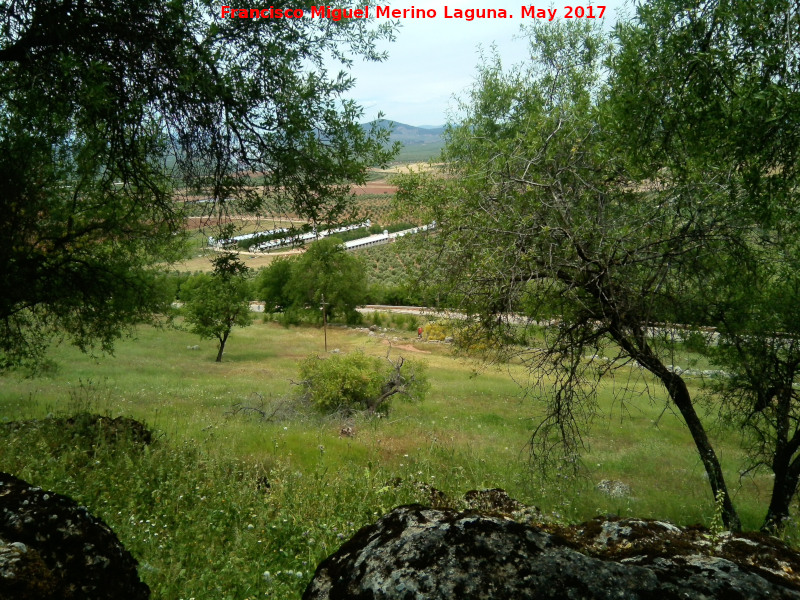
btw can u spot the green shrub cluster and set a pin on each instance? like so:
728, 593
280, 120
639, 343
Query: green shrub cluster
393, 320
347, 383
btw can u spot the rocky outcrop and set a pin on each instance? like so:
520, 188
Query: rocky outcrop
51, 548
90, 427
493, 500
615, 489
416, 553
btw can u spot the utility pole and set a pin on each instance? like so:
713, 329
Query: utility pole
325, 321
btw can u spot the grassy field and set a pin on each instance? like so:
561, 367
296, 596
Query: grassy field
195, 509
419, 152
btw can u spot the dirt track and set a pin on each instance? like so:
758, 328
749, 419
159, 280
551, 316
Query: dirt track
406, 347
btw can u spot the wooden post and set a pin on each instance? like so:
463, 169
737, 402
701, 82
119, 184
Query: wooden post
325, 321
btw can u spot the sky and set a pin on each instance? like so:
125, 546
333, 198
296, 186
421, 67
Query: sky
435, 59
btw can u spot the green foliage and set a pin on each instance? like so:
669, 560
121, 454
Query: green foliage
544, 207
296, 286
609, 188
723, 127
112, 110
400, 274
271, 285
394, 320
437, 331
327, 269
346, 383
214, 304
165, 499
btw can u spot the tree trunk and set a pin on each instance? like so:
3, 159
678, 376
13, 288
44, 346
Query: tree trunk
679, 394
222, 341
786, 470
783, 491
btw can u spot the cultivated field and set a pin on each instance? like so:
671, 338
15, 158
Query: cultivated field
374, 201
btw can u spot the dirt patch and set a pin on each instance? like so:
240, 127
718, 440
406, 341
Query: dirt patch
407, 347
374, 187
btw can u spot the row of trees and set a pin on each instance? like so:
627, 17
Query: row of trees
638, 187
216, 302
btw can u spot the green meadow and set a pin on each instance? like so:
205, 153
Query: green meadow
244, 491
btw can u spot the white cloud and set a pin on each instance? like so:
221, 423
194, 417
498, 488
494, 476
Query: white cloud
435, 59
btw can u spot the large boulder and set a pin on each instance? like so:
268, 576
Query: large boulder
416, 553
53, 549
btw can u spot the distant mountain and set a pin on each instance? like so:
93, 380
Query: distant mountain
410, 135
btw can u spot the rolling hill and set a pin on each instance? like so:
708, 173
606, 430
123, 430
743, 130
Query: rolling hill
418, 143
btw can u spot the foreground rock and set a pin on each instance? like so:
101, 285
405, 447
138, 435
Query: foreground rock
53, 549
420, 553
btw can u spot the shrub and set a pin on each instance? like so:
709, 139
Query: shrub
356, 382
437, 331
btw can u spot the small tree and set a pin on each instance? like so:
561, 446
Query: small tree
357, 382
216, 303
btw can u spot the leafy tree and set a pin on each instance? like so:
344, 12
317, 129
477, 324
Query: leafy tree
327, 269
214, 304
715, 90
272, 284
357, 382
667, 194
111, 110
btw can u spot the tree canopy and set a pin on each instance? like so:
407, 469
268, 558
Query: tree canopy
715, 90
324, 271
114, 113
626, 198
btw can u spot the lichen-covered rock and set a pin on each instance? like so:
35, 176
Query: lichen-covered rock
493, 500
52, 548
24, 575
615, 489
90, 427
416, 553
